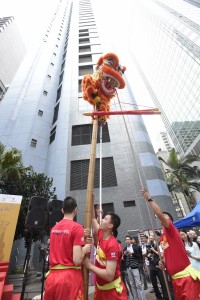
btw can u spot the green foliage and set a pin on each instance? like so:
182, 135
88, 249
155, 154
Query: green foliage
181, 176
11, 166
15, 179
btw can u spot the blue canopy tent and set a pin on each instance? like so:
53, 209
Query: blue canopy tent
191, 220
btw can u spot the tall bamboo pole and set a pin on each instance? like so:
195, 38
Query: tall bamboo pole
89, 204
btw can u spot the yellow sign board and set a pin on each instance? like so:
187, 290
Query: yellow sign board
9, 211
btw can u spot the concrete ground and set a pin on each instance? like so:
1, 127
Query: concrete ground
34, 286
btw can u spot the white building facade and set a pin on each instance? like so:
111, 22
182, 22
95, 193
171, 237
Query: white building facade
42, 115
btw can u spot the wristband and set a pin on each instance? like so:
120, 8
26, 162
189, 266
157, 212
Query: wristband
150, 200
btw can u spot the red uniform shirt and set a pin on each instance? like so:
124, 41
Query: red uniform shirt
64, 235
176, 258
107, 250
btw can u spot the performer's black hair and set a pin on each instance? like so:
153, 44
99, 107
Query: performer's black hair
166, 213
69, 204
115, 220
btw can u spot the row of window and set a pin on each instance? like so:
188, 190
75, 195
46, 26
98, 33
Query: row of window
107, 207
80, 169
81, 134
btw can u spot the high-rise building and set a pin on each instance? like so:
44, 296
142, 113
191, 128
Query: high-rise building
12, 52
42, 114
166, 141
163, 37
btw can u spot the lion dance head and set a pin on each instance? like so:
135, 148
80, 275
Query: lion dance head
100, 87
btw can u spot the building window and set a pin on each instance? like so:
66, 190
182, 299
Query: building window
106, 207
40, 113
84, 41
52, 135
83, 30
61, 77
52, 64
33, 143
87, 24
129, 203
49, 76
55, 116
59, 93
79, 173
83, 70
63, 65
80, 86
85, 58
45, 93
54, 54
82, 134
64, 55
83, 34
84, 49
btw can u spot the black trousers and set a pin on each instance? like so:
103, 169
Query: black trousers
154, 274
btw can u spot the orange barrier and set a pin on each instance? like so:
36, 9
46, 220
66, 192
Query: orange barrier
6, 290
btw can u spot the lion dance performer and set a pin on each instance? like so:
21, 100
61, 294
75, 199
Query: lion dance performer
64, 280
109, 284
100, 87
185, 279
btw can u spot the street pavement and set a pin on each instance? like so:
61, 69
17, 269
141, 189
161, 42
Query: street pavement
34, 286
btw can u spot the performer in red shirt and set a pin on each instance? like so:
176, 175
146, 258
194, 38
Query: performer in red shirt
185, 279
108, 256
67, 251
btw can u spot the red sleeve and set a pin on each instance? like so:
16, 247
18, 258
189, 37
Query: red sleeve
78, 236
100, 234
112, 251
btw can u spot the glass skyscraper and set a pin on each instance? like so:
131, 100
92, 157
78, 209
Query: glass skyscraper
163, 39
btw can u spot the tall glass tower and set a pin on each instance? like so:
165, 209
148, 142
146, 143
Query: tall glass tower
42, 114
163, 38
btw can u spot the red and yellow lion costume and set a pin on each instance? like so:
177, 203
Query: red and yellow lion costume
100, 87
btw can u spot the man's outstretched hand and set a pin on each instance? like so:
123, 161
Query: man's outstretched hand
145, 193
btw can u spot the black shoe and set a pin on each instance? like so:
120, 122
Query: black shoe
145, 287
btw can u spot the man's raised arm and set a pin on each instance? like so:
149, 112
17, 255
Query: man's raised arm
158, 212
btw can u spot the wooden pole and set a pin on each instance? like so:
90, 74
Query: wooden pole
89, 205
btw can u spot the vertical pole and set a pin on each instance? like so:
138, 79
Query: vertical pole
26, 265
89, 205
100, 176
